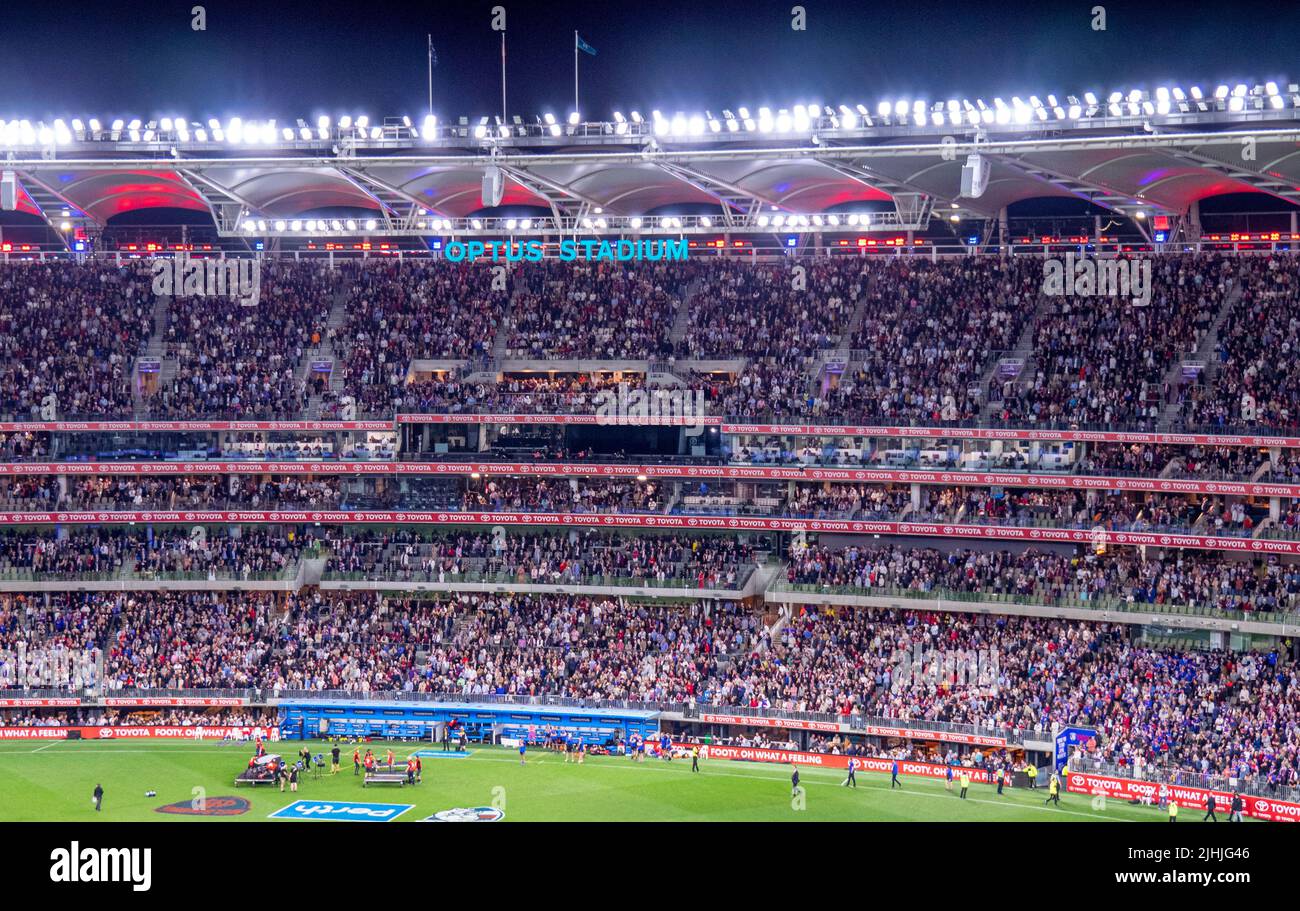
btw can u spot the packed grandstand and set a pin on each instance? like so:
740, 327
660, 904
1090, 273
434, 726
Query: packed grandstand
397, 477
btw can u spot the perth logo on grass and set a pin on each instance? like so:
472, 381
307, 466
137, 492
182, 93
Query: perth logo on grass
76, 864
341, 809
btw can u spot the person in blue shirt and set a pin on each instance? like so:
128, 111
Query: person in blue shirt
893, 776
523, 748
853, 774
948, 785
794, 782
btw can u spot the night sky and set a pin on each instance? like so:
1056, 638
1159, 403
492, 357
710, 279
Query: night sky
301, 59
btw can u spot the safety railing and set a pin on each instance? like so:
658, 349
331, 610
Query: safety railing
1098, 604
1257, 786
420, 576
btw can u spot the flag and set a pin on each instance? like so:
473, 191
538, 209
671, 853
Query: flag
583, 46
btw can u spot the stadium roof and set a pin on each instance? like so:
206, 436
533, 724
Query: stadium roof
598, 179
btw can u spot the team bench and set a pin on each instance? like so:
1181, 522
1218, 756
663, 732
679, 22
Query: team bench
397, 778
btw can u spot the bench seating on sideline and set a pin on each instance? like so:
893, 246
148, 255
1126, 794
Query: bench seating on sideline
397, 778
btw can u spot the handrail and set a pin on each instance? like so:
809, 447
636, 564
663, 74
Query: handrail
1180, 778
1098, 604
472, 577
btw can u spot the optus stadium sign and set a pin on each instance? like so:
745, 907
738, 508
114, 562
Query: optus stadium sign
591, 250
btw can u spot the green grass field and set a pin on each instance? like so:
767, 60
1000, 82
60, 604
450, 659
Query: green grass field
54, 782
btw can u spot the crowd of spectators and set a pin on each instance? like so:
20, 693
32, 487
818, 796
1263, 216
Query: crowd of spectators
1131, 459
1205, 581
50, 641
563, 495
576, 558
95, 716
182, 640
558, 394
1251, 386
600, 311
110, 551
920, 337
24, 446
929, 333
1206, 712
69, 334
398, 312
238, 361
772, 311
1101, 360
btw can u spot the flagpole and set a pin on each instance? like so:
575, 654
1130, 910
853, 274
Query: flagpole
503, 75
575, 70
430, 74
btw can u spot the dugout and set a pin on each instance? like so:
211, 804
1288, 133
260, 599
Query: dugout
485, 722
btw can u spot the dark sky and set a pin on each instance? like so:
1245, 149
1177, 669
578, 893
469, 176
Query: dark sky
291, 59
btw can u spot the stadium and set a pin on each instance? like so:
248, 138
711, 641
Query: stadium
880, 458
